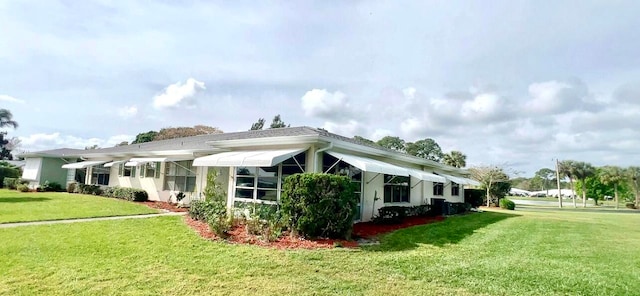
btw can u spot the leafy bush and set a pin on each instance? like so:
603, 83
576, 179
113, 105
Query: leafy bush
630, 205
474, 197
71, 187
23, 188
507, 204
319, 205
198, 209
89, 189
265, 220
419, 211
391, 215
8, 171
10, 183
51, 187
130, 194
218, 218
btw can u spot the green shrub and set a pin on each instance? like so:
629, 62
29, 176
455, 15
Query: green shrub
630, 205
71, 187
8, 171
198, 209
130, 194
218, 218
89, 189
51, 187
10, 183
23, 188
266, 221
507, 204
319, 205
419, 211
391, 215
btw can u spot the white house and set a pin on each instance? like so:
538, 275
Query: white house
253, 164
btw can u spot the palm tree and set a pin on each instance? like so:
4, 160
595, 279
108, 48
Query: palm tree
612, 175
455, 159
582, 171
633, 175
6, 119
546, 174
566, 169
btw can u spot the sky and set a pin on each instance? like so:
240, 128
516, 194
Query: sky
511, 83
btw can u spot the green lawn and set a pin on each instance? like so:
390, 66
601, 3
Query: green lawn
491, 253
37, 206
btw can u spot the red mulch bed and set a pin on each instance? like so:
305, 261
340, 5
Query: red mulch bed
239, 235
164, 206
370, 229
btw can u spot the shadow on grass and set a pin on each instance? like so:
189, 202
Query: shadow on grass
22, 199
450, 231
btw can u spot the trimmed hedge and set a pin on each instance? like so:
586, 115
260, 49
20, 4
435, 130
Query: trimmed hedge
474, 197
89, 189
397, 214
51, 187
130, 194
319, 205
507, 204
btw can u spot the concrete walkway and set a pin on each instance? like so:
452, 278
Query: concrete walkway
78, 220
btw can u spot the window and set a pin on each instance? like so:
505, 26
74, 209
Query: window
263, 184
344, 169
438, 189
100, 175
396, 188
455, 189
179, 176
127, 171
150, 170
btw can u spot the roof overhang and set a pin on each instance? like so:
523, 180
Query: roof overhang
461, 180
83, 164
142, 160
425, 176
370, 165
255, 158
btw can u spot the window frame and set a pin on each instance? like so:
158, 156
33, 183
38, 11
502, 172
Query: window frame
187, 173
455, 189
390, 187
95, 176
438, 189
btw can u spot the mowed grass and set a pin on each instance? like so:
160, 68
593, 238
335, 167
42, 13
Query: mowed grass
37, 206
491, 253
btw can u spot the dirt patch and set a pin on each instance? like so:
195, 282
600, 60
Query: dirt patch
239, 234
164, 206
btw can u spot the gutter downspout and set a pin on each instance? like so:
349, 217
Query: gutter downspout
315, 163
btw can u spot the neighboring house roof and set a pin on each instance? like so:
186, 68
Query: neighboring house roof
216, 142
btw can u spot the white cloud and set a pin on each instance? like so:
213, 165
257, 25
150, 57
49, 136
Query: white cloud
177, 93
554, 97
10, 99
43, 141
347, 129
128, 111
324, 104
482, 106
380, 133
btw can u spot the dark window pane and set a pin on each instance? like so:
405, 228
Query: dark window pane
245, 181
244, 193
271, 195
245, 171
268, 182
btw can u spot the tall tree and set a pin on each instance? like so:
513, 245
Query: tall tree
489, 176
546, 174
426, 148
455, 159
123, 143
364, 140
145, 137
277, 122
566, 169
612, 176
92, 147
6, 119
582, 170
394, 143
633, 175
185, 131
258, 125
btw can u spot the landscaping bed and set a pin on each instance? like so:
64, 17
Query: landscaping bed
239, 234
160, 205
371, 229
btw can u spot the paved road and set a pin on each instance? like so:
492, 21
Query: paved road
543, 205
79, 220
565, 203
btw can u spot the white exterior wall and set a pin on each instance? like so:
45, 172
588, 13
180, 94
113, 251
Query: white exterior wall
153, 186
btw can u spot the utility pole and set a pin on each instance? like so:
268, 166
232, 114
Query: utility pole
558, 180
